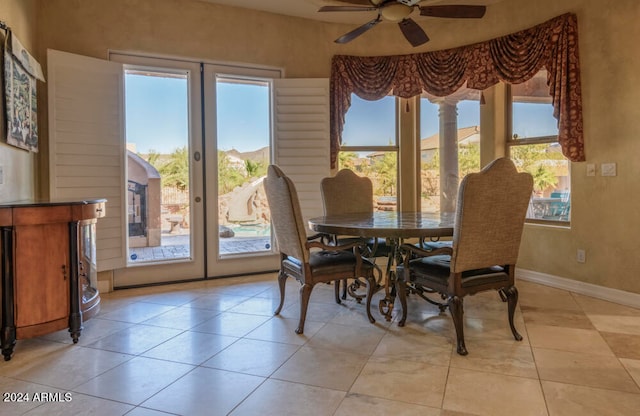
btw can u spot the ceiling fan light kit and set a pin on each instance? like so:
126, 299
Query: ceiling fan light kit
398, 11
395, 12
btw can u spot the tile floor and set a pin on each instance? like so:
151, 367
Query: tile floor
214, 348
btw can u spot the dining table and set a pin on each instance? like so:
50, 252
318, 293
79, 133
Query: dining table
395, 227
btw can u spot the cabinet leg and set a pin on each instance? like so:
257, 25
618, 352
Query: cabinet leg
75, 311
75, 326
8, 342
8, 330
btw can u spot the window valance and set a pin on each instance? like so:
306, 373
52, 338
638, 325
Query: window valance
514, 58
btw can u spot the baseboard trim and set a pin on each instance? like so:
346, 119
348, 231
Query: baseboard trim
588, 289
104, 286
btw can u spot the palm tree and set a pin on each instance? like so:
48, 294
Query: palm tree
254, 169
535, 159
386, 169
153, 158
175, 172
543, 178
346, 160
229, 177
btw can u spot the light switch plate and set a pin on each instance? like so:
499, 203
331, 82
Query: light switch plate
608, 169
591, 169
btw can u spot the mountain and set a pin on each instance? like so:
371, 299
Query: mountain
260, 155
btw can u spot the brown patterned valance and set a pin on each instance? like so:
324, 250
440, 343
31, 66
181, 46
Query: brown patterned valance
514, 58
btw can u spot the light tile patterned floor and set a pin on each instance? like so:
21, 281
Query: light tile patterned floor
214, 348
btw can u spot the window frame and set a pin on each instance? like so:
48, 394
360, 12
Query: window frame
377, 148
513, 142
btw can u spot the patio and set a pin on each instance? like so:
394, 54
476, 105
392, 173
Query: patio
176, 246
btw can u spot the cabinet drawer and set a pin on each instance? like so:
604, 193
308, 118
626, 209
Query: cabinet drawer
89, 211
40, 215
6, 217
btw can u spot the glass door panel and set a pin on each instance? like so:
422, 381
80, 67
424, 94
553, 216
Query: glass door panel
164, 171
243, 156
157, 166
238, 152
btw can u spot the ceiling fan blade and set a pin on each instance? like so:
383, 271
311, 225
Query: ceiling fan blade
362, 2
346, 9
454, 11
413, 32
348, 37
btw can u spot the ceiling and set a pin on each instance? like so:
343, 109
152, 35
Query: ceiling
308, 9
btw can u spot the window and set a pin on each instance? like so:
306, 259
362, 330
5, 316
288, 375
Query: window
370, 147
243, 141
449, 146
534, 148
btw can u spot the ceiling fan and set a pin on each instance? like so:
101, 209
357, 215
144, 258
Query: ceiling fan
399, 11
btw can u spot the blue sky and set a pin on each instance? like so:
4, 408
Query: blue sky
374, 121
242, 123
163, 100
243, 116
243, 119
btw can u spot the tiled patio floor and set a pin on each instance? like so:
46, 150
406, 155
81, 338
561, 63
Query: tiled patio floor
177, 247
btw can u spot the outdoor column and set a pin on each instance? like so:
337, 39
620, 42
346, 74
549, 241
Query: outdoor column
448, 156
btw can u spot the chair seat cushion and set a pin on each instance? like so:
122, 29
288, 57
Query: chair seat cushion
327, 262
433, 245
437, 269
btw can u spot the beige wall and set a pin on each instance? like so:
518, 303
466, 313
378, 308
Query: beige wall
18, 166
605, 211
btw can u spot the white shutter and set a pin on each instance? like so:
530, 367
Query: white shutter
301, 137
86, 143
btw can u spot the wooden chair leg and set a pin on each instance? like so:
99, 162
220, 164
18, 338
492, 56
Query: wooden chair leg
457, 312
512, 302
282, 280
305, 294
336, 286
345, 284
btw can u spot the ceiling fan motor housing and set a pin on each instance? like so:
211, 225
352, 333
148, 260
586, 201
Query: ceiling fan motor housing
398, 11
395, 11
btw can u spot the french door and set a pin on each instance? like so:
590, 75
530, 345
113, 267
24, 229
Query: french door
185, 195
213, 219
164, 171
238, 149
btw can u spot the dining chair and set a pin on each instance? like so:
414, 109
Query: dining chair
488, 226
349, 193
309, 260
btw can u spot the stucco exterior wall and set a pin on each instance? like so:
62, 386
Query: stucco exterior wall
605, 210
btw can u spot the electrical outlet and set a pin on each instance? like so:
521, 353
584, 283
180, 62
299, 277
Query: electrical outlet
608, 169
591, 169
581, 256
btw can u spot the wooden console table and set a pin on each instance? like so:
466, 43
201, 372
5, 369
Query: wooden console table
49, 276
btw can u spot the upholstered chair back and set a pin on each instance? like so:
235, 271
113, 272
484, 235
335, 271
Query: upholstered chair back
492, 205
286, 217
347, 193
